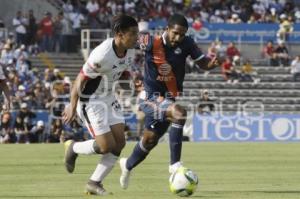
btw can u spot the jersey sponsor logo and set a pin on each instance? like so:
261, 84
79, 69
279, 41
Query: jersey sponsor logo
164, 69
159, 59
164, 78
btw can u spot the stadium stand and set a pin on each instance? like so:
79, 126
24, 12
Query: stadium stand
69, 64
276, 93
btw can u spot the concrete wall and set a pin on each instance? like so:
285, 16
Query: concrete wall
8, 9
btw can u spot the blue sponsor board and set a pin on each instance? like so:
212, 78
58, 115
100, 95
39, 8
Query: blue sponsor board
251, 33
238, 128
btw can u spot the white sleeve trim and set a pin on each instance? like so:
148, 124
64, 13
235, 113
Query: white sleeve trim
199, 58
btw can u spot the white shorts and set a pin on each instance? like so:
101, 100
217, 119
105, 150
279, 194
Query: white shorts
99, 115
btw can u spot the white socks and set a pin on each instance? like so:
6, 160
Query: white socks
106, 164
85, 148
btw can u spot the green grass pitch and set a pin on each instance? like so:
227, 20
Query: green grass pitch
225, 170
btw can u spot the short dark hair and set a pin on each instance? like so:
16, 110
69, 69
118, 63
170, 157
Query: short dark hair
121, 23
178, 19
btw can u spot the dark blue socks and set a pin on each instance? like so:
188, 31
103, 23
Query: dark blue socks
138, 155
175, 139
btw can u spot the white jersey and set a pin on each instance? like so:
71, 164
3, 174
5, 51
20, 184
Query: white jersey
97, 106
103, 68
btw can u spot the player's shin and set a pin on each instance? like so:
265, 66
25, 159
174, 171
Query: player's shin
104, 167
137, 156
175, 141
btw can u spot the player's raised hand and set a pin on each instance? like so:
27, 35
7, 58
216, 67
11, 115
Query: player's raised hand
68, 114
209, 62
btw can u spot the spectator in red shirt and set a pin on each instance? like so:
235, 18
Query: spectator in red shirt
268, 53
228, 71
46, 27
232, 50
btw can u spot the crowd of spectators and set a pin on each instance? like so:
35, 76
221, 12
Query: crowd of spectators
100, 12
33, 89
58, 33
61, 32
277, 55
237, 68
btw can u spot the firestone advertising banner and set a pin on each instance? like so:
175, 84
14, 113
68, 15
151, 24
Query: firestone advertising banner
241, 128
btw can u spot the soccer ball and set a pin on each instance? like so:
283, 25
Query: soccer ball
183, 182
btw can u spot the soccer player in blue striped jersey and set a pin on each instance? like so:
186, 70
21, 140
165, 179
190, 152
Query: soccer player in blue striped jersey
165, 58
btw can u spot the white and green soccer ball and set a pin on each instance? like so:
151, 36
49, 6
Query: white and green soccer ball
183, 182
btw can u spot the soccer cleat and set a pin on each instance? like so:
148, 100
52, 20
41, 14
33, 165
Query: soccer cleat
93, 188
173, 168
125, 174
70, 156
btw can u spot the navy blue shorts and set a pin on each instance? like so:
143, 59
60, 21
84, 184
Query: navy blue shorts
155, 114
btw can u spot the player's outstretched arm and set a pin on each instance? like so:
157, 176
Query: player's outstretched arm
70, 110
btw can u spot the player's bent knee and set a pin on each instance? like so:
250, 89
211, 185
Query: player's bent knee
108, 147
119, 147
122, 145
150, 143
180, 110
104, 148
179, 115
96, 148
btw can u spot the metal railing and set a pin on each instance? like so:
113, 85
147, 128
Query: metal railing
90, 38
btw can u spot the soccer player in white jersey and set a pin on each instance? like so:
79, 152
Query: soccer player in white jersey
93, 99
4, 88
